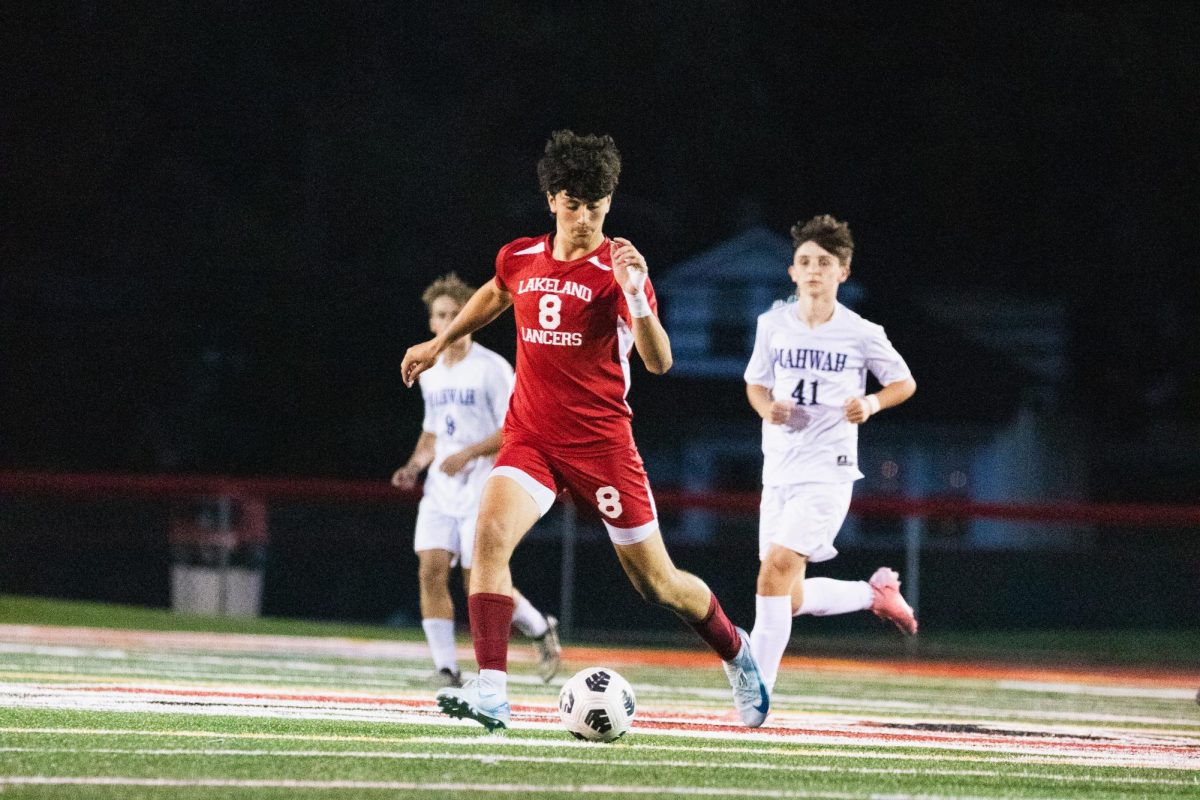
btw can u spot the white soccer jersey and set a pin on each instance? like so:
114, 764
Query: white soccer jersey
464, 404
817, 369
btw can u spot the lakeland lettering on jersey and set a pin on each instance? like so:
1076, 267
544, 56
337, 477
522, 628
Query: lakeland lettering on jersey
572, 338
555, 286
463, 397
802, 358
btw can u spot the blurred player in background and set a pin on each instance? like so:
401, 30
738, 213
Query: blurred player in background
581, 302
806, 378
466, 396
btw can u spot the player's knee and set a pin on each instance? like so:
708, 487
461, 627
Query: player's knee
433, 575
775, 576
491, 546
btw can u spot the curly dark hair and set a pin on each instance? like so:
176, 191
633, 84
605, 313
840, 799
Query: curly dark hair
587, 167
828, 232
449, 285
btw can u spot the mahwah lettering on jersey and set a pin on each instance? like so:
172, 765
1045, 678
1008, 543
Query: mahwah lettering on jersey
456, 396
803, 358
555, 286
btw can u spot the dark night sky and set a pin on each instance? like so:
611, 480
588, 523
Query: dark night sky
217, 217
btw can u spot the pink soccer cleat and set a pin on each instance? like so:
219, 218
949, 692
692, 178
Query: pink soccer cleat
889, 604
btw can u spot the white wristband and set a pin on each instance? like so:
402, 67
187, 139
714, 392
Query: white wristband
639, 306
873, 403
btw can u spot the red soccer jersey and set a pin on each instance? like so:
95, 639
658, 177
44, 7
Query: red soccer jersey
574, 334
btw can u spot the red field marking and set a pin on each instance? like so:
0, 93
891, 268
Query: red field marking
863, 732
1159, 677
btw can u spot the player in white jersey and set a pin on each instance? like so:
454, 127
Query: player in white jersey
806, 379
466, 397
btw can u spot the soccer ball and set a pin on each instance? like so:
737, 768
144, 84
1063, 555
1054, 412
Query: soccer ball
596, 704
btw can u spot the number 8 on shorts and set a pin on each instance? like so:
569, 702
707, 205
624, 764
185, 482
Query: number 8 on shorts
608, 500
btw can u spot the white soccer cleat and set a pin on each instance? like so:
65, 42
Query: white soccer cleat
549, 650
466, 703
750, 695
888, 604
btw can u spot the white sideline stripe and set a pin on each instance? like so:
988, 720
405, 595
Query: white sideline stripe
798, 749
688, 791
289, 707
205, 643
1098, 691
105, 655
279, 682
1133, 755
385, 706
645, 690
340, 669
493, 758
804, 750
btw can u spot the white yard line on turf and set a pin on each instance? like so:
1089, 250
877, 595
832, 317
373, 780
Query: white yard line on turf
418, 709
797, 750
494, 758
205, 642
476, 788
105, 656
805, 751
1097, 691
645, 690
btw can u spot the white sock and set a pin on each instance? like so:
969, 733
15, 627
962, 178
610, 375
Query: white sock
527, 619
440, 635
772, 629
493, 682
825, 596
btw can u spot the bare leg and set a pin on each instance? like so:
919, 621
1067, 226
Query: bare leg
506, 513
659, 581
433, 576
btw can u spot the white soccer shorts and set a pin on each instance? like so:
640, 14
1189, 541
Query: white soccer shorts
437, 530
803, 517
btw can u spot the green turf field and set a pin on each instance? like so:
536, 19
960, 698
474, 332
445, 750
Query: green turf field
109, 702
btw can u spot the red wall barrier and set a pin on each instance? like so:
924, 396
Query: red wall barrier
167, 486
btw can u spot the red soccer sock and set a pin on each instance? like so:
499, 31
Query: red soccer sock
491, 617
718, 632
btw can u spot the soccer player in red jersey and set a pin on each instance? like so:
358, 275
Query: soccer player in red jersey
582, 301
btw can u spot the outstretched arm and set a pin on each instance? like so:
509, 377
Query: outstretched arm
488, 302
649, 336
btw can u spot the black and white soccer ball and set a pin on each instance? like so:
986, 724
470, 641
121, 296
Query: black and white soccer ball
597, 704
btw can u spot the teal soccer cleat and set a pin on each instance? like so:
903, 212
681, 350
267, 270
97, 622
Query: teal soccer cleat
750, 695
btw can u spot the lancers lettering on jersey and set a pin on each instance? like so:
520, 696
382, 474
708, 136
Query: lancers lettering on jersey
801, 358
565, 338
555, 286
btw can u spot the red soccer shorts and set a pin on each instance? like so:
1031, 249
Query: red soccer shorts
613, 485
